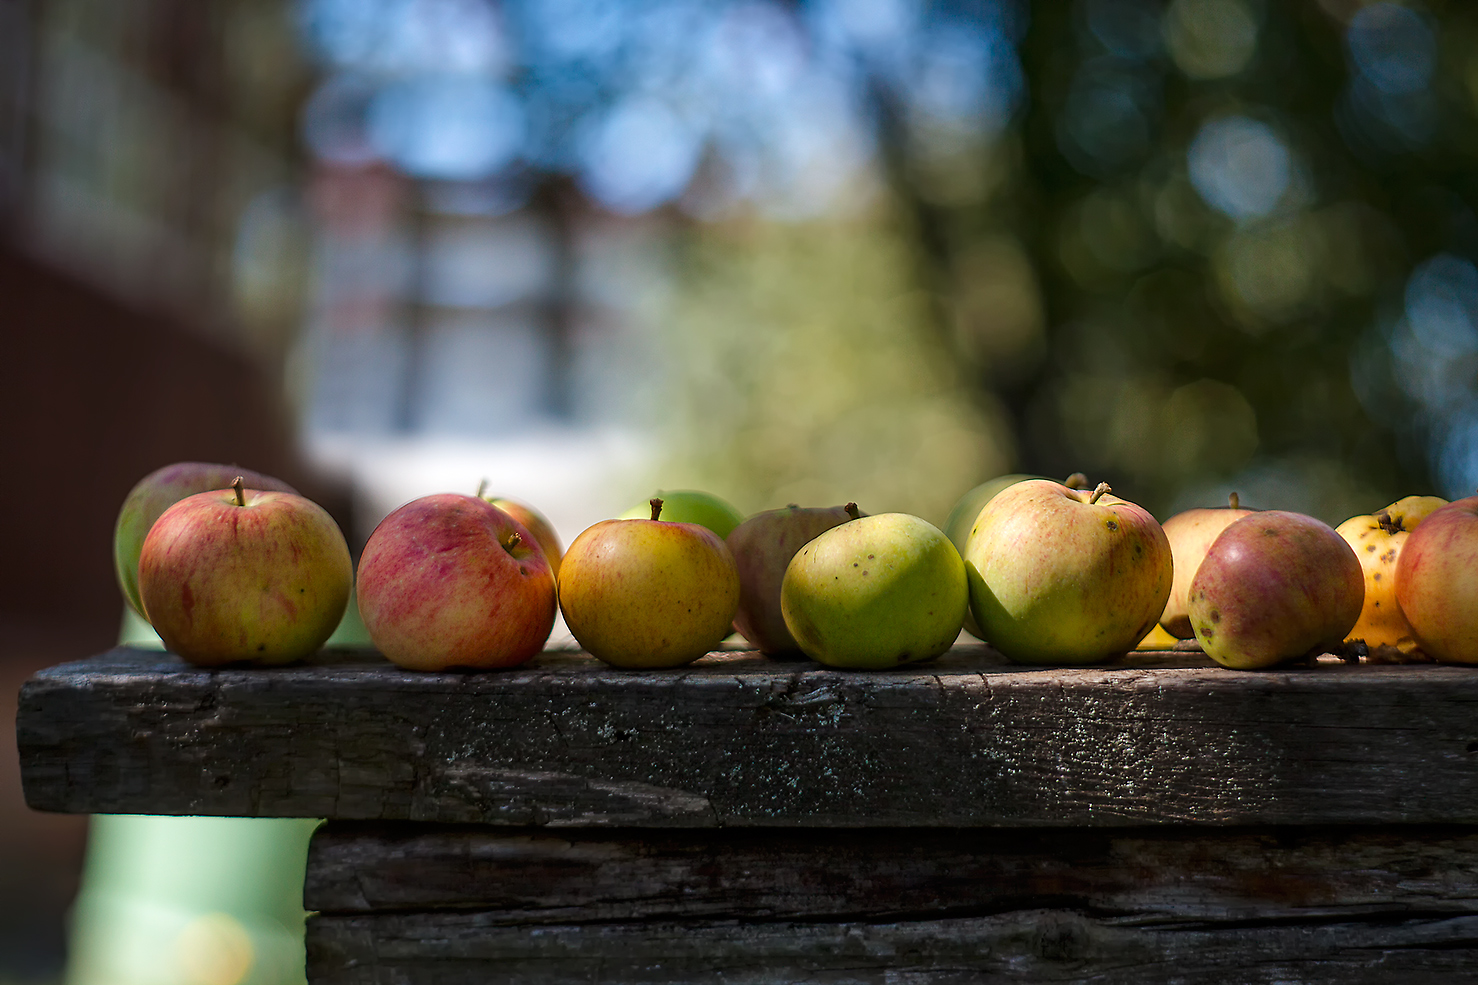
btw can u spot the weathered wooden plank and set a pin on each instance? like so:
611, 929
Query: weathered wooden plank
1136, 876
1021, 946
736, 739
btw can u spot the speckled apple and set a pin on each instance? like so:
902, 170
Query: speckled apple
875, 593
1066, 576
1274, 586
242, 574
452, 581
1378, 539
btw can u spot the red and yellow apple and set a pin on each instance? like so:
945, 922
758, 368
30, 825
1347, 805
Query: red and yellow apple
1377, 539
157, 492
452, 581
244, 574
1059, 575
1191, 534
762, 547
1437, 582
648, 593
1274, 586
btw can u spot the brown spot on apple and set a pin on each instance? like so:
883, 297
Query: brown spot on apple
1111, 524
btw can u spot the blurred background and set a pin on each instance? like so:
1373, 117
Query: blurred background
782, 250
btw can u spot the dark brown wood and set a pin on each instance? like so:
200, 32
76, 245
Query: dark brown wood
1139, 875
448, 905
739, 740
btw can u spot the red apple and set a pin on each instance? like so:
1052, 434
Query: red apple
1191, 534
762, 547
648, 593
157, 492
1273, 587
1437, 582
242, 574
453, 581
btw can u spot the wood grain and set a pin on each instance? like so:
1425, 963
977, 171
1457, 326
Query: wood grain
739, 740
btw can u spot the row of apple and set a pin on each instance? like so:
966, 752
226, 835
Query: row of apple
231, 569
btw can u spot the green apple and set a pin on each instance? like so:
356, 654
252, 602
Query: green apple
875, 593
241, 574
762, 547
691, 506
454, 581
1191, 534
1060, 575
648, 593
157, 492
1275, 586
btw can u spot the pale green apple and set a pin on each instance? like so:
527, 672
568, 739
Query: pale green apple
691, 506
1059, 575
875, 592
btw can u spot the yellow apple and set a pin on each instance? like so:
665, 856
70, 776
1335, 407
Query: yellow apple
648, 593
1378, 539
1191, 534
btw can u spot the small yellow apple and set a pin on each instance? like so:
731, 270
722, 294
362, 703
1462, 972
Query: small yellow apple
1191, 534
1378, 539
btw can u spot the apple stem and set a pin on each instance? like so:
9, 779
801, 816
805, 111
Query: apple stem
514, 540
1076, 481
1098, 491
1234, 501
656, 507
482, 487
240, 486
852, 510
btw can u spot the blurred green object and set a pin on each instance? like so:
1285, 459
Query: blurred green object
193, 900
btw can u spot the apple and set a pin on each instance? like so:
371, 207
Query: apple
648, 593
1059, 575
244, 574
1377, 539
1191, 533
157, 492
691, 506
1274, 586
875, 593
1437, 582
534, 522
967, 510
452, 581
762, 547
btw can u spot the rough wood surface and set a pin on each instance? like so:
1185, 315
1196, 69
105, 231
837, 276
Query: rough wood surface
1022, 946
1137, 876
738, 740
403, 902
